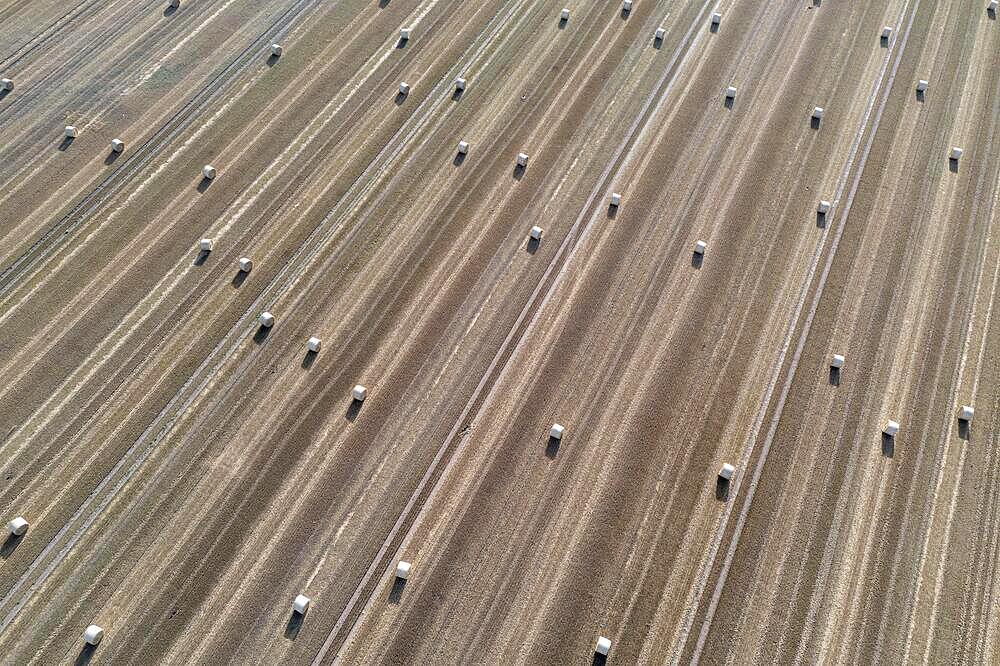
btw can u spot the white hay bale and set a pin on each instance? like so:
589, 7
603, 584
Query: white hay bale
93, 635
564, 14
276, 50
823, 207
817, 112
301, 604
117, 145
616, 199
891, 428
404, 34
71, 132
6, 84
627, 5
966, 413
837, 361
208, 171
727, 471
659, 34
922, 85
463, 147
246, 264
603, 646
359, 393
700, 247
537, 233
18, 526
460, 84
522, 159
716, 18
403, 570
314, 344
556, 431
206, 244
731, 92
886, 32
956, 153
266, 319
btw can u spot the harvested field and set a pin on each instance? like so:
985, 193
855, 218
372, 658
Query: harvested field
187, 468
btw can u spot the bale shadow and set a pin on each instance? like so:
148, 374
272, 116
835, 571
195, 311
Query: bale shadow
400, 98
625, 13
612, 211
353, 410
309, 359
964, 429
457, 95
713, 28
991, 14
817, 3
4, 93
657, 43
518, 172
401, 43
697, 259
459, 158
834, 376
239, 278
261, 335
920, 95
721, 489
10, 545
814, 122
382, 4
112, 157
202, 257
820, 220
396, 592
888, 445
169, 11
294, 625
562, 23
728, 102
532, 246
952, 165
599, 659
204, 184
66, 142
272, 60
86, 655
883, 41
552, 447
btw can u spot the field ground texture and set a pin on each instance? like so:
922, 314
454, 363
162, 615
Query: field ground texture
187, 472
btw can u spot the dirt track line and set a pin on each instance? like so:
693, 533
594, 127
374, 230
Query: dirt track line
495, 370
885, 86
61, 232
982, 607
389, 152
